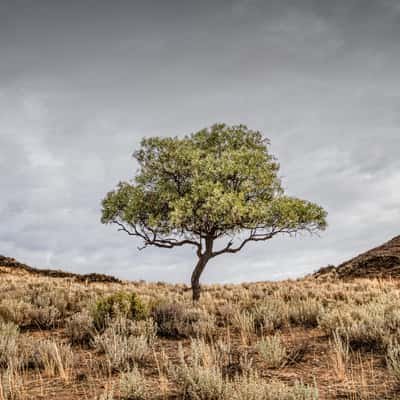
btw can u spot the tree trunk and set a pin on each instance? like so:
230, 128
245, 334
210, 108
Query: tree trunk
196, 288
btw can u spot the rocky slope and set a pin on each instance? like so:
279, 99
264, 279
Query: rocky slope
380, 262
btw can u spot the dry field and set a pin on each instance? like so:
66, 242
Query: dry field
294, 340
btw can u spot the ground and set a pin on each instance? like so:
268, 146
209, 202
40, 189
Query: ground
302, 339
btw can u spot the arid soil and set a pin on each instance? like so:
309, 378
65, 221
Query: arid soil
294, 340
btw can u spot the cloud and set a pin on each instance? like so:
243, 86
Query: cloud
318, 78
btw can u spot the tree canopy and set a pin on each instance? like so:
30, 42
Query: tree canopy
210, 187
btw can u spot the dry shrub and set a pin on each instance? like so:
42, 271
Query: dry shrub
11, 386
200, 377
53, 300
251, 387
80, 329
368, 326
225, 313
46, 317
355, 314
244, 322
40, 304
108, 394
173, 320
393, 360
270, 316
121, 352
132, 385
273, 351
9, 333
304, 312
340, 355
55, 359
16, 352
16, 311
25, 314
123, 326
146, 328
231, 361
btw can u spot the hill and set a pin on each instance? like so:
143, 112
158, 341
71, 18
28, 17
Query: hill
8, 264
380, 262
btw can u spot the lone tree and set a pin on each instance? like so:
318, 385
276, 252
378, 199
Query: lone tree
216, 190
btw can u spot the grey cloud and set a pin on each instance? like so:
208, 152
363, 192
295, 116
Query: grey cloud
82, 82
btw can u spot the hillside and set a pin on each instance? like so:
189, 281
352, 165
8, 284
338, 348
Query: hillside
11, 265
380, 262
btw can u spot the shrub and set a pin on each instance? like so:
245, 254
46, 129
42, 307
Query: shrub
126, 327
174, 321
16, 353
270, 315
16, 311
244, 322
9, 333
369, 326
200, 378
169, 318
251, 387
200, 382
80, 329
146, 328
108, 394
10, 385
393, 360
119, 303
340, 355
132, 385
272, 351
45, 318
55, 359
304, 312
26, 314
121, 351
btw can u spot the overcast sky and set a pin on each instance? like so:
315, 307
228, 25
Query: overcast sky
82, 81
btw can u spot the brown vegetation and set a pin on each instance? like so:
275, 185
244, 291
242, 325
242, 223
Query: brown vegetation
291, 340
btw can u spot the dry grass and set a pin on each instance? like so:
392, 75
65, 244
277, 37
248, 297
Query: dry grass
292, 340
273, 351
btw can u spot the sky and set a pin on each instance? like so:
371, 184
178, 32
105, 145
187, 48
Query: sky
82, 81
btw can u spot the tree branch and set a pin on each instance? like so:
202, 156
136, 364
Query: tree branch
252, 238
257, 237
167, 243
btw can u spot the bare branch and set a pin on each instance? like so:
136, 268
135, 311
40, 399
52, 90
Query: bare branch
152, 239
254, 236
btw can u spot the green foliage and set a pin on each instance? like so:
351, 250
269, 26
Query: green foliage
118, 304
218, 180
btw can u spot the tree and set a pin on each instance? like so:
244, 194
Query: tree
215, 190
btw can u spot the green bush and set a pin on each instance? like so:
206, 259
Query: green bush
123, 304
